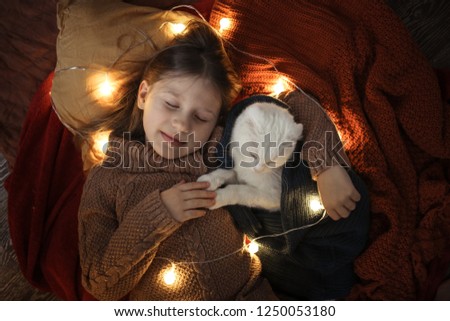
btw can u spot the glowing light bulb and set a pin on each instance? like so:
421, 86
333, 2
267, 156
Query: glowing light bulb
106, 89
279, 87
224, 23
177, 28
170, 276
253, 247
315, 205
101, 141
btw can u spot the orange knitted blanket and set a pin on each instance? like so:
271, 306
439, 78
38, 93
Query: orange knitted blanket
359, 61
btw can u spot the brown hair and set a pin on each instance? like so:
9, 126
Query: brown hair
198, 51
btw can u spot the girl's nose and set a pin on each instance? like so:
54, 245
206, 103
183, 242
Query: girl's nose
181, 124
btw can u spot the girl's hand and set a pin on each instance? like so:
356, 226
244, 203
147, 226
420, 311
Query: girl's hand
338, 194
186, 201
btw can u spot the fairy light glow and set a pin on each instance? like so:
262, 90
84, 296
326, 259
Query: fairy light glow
279, 86
105, 88
253, 247
170, 275
225, 24
101, 142
177, 28
315, 205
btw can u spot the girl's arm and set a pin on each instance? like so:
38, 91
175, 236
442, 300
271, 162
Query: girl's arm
117, 248
325, 156
322, 148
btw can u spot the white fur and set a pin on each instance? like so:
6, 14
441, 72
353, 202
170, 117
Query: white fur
255, 182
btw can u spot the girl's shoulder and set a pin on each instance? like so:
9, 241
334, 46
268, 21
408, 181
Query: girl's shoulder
101, 175
100, 188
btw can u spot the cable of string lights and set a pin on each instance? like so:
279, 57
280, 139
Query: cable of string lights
107, 87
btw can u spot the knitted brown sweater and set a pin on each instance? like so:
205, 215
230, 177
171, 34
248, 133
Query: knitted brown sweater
128, 239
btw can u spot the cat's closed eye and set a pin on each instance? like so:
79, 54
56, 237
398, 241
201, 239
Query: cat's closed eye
254, 155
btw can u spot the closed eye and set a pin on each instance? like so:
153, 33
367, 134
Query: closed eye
172, 106
254, 155
201, 119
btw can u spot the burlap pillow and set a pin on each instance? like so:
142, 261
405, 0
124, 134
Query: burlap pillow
95, 37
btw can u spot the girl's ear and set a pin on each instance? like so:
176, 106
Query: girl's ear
144, 88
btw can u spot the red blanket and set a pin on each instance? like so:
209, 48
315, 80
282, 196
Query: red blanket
359, 61
44, 192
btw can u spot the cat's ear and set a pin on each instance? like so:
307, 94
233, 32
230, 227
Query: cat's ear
256, 115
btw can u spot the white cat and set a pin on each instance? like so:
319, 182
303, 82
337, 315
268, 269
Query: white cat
263, 139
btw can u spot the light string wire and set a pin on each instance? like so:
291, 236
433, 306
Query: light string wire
268, 61
148, 39
272, 64
192, 8
176, 263
287, 79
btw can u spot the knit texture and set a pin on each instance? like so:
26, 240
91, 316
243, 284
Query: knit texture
322, 148
358, 60
128, 239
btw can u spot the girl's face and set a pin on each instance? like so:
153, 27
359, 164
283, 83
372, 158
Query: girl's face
180, 114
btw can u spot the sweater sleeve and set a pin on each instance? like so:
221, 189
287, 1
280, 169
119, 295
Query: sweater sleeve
115, 255
322, 146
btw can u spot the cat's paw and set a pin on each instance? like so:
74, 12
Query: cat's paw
214, 181
220, 199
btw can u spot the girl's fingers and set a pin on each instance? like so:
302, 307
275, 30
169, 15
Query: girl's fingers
193, 194
343, 212
333, 215
350, 205
198, 203
355, 196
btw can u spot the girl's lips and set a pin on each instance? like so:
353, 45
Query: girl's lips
172, 140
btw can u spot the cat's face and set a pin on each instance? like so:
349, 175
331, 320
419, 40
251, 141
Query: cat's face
265, 136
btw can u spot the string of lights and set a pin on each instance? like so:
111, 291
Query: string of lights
107, 87
170, 274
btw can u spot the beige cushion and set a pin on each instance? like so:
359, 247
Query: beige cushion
95, 35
